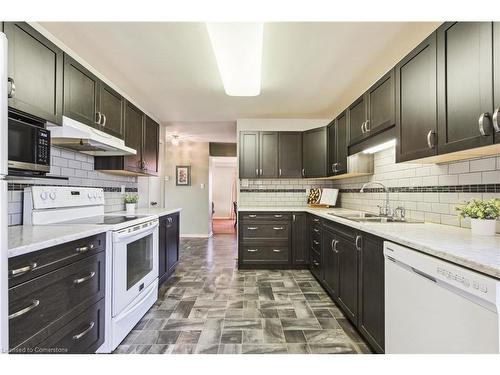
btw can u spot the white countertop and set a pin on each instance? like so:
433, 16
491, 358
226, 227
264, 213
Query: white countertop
454, 244
24, 239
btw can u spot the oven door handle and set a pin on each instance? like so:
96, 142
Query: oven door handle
120, 236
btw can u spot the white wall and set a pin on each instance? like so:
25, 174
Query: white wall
223, 186
194, 199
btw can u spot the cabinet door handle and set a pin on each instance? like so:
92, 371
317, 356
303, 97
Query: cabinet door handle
358, 243
103, 120
279, 171
83, 279
293, 217
12, 87
337, 166
21, 271
98, 116
84, 332
277, 250
27, 309
484, 132
252, 228
363, 131
252, 250
303, 172
496, 125
334, 246
84, 249
430, 136
367, 128
278, 228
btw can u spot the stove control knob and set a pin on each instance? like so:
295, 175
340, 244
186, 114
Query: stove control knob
89, 195
52, 195
44, 195
95, 195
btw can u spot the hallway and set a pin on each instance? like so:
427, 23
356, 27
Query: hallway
223, 226
208, 306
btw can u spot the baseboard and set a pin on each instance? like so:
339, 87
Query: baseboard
208, 235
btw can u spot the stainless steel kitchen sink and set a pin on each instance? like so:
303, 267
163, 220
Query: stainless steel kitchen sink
365, 217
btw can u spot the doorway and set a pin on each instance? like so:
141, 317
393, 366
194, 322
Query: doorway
223, 187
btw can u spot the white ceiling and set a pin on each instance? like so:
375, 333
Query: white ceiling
310, 70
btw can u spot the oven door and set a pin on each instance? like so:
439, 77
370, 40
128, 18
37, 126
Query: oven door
135, 263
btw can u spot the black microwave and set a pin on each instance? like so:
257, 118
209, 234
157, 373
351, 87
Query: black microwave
29, 146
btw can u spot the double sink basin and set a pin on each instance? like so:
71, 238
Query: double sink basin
366, 217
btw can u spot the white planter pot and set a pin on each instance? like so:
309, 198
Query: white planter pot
130, 207
483, 227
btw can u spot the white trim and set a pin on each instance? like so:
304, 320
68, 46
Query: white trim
196, 235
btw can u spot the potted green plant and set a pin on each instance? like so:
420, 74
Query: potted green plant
130, 202
483, 215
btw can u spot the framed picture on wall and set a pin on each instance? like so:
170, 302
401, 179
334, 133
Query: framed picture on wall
183, 175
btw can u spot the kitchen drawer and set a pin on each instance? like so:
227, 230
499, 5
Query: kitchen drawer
26, 267
84, 334
315, 221
265, 253
265, 216
280, 230
36, 304
315, 263
316, 241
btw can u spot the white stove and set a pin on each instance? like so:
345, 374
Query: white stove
131, 251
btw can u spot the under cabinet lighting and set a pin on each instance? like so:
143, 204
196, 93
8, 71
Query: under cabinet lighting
238, 52
380, 147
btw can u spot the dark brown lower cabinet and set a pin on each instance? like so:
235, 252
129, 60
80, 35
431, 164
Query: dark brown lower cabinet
348, 277
330, 262
58, 308
300, 245
168, 246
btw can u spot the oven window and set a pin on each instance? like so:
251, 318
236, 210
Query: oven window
22, 146
139, 260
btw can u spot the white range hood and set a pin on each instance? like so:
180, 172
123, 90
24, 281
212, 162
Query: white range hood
83, 138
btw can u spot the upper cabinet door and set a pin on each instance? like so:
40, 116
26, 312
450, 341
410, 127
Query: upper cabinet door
111, 108
465, 85
133, 137
381, 105
249, 154
81, 93
357, 120
341, 137
332, 148
35, 68
315, 152
496, 82
151, 146
290, 154
416, 120
268, 154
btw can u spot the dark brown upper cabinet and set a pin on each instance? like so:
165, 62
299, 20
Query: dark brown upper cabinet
357, 119
380, 99
81, 93
35, 73
465, 85
496, 81
416, 106
151, 144
134, 134
268, 154
111, 109
315, 152
249, 154
337, 145
290, 154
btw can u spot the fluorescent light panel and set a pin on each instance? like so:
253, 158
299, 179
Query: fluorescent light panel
238, 52
380, 147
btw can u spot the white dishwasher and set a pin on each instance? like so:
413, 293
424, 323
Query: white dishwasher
433, 306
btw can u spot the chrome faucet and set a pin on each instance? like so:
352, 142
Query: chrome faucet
385, 209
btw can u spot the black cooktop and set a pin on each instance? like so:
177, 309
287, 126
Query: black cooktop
103, 219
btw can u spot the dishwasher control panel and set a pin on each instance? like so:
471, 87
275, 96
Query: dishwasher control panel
464, 281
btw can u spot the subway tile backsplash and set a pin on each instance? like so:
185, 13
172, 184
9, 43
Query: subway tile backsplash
428, 192
79, 168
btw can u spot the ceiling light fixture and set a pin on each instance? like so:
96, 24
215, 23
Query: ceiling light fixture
380, 147
175, 140
238, 51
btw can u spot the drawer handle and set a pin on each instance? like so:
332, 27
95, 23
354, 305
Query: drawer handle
83, 279
277, 250
84, 249
278, 228
252, 228
252, 250
21, 271
316, 230
252, 215
334, 246
84, 332
278, 216
27, 309
316, 263
315, 242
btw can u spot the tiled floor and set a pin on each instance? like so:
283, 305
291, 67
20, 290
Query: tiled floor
209, 306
